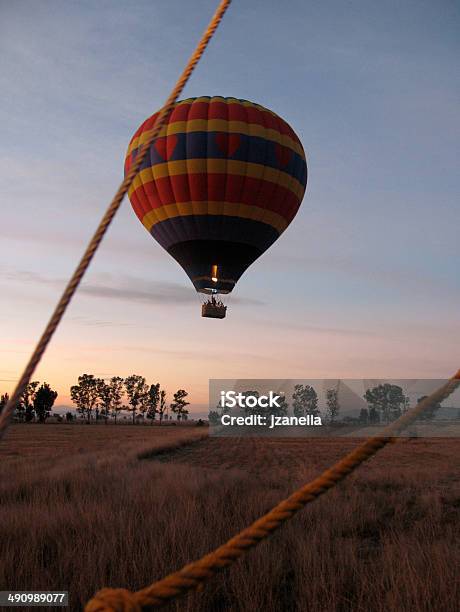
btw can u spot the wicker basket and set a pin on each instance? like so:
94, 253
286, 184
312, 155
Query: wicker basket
213, 311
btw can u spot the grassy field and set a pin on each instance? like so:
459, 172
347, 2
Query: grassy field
80, 510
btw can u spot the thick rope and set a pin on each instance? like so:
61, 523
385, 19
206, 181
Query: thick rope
114, 205
192, 576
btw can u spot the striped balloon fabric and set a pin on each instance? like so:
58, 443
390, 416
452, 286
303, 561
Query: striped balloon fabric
221, 183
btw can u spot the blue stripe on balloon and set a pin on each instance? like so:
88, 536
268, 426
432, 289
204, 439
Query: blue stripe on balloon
253, 149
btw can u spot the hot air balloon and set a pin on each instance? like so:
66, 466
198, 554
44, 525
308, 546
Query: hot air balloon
220, 184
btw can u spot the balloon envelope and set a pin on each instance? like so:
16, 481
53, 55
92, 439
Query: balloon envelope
219, 185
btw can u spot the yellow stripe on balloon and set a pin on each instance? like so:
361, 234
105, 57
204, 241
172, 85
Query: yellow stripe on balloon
218, 166
230, 209
221, 125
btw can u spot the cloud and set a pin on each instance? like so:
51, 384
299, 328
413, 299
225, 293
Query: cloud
127, 288
153, 292
136, 290
198, 355
89, 322
25, 276
313, 329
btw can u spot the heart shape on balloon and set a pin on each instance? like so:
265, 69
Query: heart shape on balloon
165, 146
228, 143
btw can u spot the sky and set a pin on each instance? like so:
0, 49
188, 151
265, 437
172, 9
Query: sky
364, 283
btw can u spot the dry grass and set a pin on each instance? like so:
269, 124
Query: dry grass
81, 511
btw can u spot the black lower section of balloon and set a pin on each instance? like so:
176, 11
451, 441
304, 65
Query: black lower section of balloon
214, 227
199, 242
197, 257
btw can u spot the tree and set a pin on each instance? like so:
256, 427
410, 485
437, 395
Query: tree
25, 408
144, 404
280, 410
110, 395
136, 390
406, 404
105, 397
265, 411
179, 403
248, 409
153, 401
374, 416
430, 413
214, 417
43, 401
116, 386
69, 417
387, 400
85, 395
364, 416
305, 401
333, 406
3, 401
162, 406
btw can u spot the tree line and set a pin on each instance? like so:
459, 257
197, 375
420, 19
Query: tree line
105, 399
35, 404
385, 403
96, 398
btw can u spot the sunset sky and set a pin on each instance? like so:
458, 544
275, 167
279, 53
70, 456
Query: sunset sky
365, 283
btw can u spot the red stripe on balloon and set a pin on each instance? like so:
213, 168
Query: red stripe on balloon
202, 187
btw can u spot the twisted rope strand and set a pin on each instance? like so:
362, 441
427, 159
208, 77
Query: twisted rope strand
193, 575
112, 209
